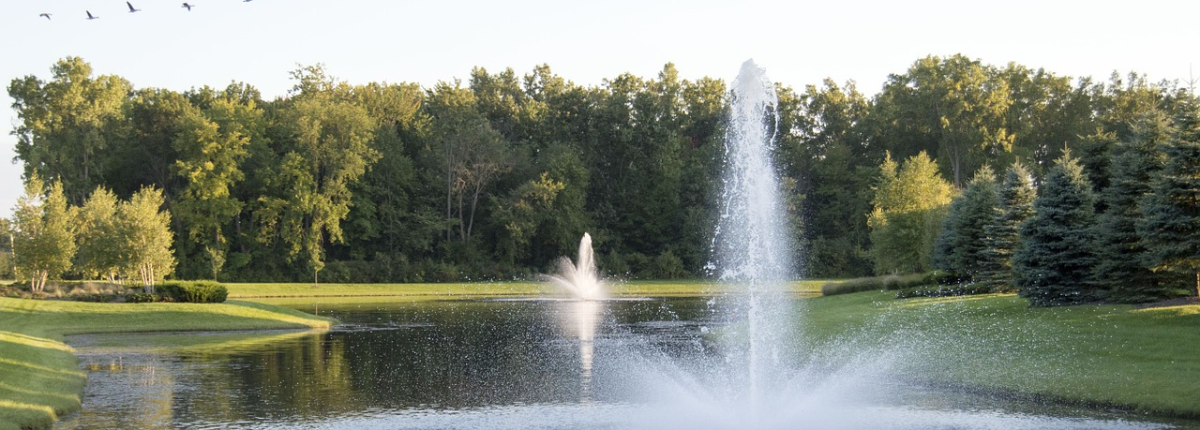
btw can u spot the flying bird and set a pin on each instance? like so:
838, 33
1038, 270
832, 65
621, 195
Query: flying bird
188, 7
131, 9
45, 15
90, 16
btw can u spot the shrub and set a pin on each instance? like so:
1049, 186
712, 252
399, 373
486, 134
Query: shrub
98, 297
945, 291
889, 282
668, 266
639, 265
141, 298
194, 291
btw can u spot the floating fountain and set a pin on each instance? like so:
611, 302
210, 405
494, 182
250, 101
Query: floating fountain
580, 278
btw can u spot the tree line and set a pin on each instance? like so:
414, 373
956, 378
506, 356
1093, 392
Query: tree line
1067, 242
495, 177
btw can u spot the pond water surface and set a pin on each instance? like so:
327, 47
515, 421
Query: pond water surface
488, 364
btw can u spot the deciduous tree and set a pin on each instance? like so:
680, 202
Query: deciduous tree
66, 124
44, 242
146, 238
327, 149
99, 236
910, 204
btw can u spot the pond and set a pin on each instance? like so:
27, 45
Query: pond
494, 364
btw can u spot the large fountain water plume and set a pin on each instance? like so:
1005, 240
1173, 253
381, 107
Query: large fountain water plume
752, 250
751, 245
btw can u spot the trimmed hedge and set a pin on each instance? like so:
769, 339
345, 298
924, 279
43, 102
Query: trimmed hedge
193, 291
889, 282
142, 298
945, 291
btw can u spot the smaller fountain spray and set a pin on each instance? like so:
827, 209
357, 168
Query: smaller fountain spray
580, 278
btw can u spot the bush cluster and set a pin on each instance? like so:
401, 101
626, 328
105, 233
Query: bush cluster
142, 298
193, 291
945, 291
889, 283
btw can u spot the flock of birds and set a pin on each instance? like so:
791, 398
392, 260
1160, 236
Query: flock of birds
132, 9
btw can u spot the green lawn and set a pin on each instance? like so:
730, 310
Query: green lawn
1114, 355
39, 375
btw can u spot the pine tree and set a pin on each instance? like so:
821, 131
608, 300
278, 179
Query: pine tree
1119, 249
1015, 206
1170, 226
962, 242
1053, 265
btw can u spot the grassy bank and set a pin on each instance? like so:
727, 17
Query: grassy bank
39, 377
1147, 360
684, 288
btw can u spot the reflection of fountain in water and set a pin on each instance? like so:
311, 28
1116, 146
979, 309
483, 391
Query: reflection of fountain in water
580, 278
586, 314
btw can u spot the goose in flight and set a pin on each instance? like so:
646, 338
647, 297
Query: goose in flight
90, 16
188, 7
131, 9
44, 15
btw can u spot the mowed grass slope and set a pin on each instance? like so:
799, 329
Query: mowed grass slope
1108, 356
39, 375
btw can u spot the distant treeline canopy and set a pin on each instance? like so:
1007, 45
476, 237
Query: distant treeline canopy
495, 177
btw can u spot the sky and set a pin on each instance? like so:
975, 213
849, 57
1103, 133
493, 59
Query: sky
799, 43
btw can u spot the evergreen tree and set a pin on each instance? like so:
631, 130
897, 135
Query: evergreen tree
943, 247
1053, 265
1119, 268
1002, 238
44, 243
962, 242
1170, 226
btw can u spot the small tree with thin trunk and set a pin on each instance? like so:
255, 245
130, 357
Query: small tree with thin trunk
97, 236
44, 243
147, 238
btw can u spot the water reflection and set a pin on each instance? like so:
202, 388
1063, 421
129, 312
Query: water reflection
580, 320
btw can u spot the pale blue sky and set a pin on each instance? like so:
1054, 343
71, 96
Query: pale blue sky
798, 42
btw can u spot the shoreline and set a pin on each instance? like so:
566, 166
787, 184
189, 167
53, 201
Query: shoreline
40, 378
